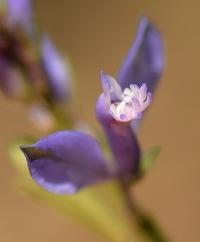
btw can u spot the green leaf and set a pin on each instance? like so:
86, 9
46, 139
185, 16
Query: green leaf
148, 159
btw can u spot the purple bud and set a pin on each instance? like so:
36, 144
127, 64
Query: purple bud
66, 161
20, 13
57, 70
145, 60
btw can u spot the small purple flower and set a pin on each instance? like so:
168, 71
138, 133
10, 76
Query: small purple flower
66, 161
57, 70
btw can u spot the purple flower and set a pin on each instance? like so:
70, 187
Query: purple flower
20, 14
57, 70
67, 161
120, 108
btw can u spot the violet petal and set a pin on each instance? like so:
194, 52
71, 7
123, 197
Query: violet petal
111, 88
145, 60
20, 12
66, 161
58, 71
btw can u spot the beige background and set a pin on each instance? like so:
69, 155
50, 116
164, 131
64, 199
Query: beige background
97, 35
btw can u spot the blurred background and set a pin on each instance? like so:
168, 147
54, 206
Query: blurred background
97, 35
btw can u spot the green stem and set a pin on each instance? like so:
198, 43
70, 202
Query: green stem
146, 224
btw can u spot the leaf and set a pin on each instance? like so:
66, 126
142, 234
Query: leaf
148, 159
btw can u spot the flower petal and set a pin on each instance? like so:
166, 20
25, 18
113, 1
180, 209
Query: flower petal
111, 88
57, 69
143, 93
145, 60
66, 161
21, 13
